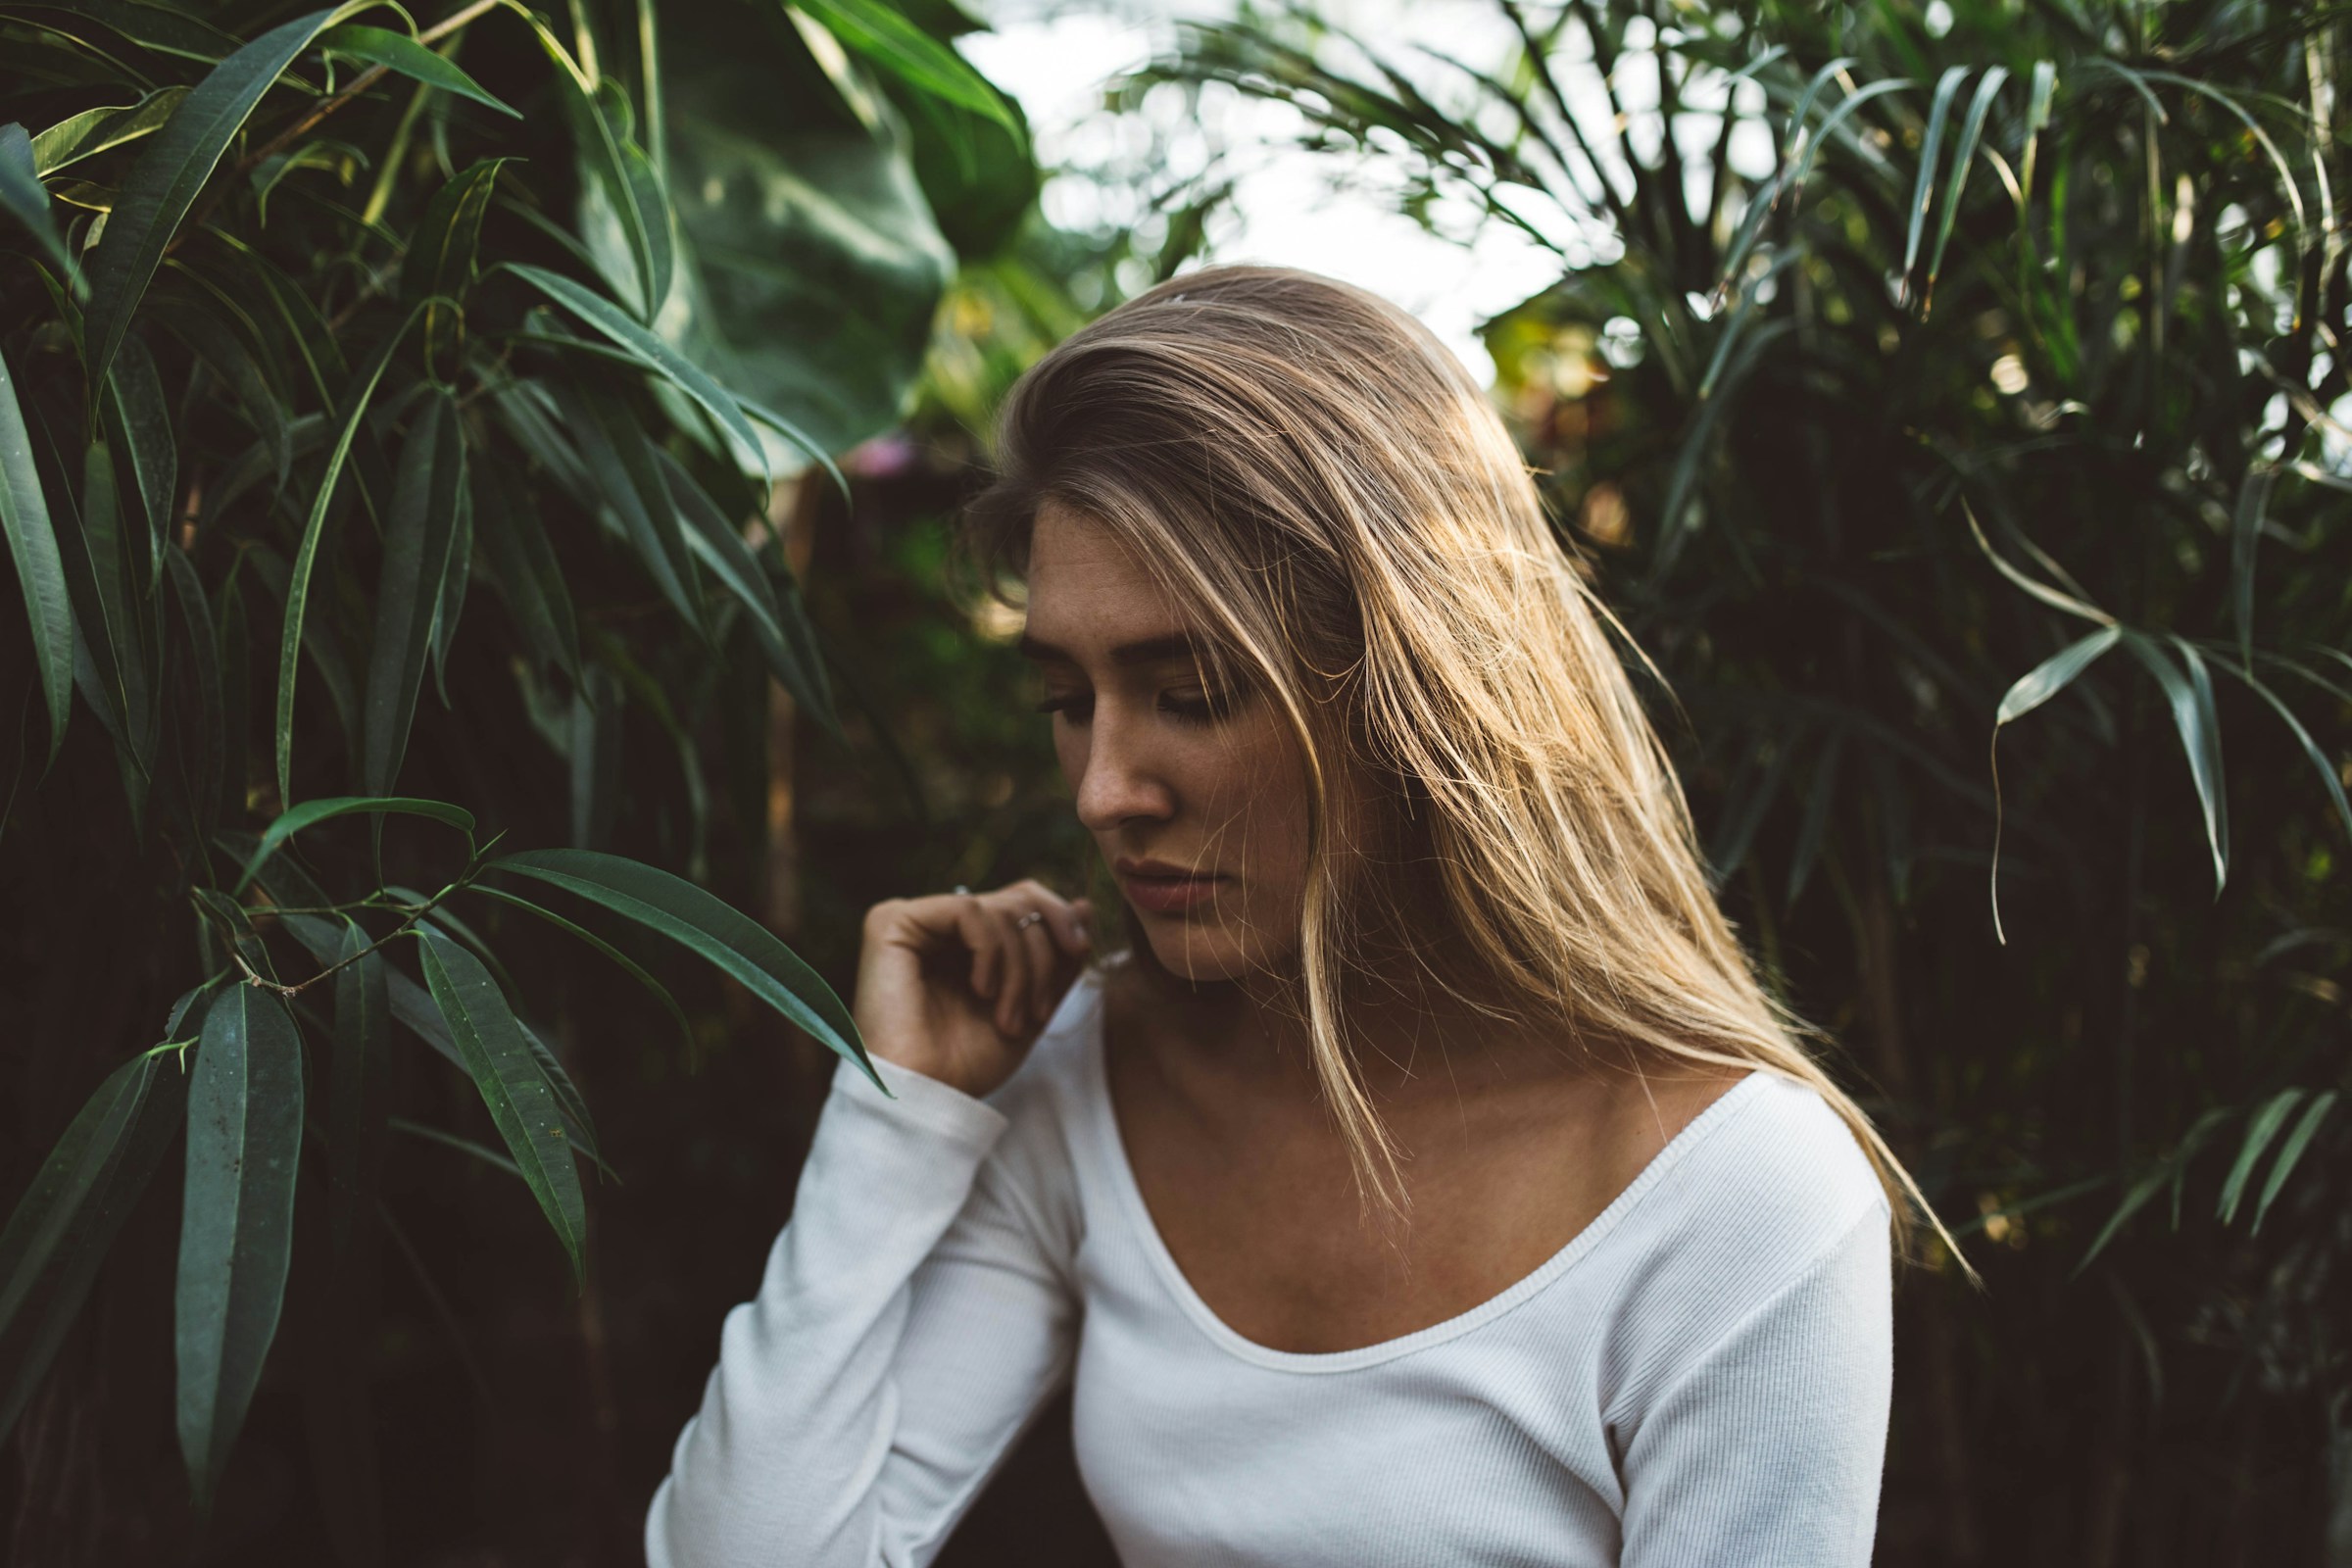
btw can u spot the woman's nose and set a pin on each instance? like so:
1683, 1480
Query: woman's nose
1118, 783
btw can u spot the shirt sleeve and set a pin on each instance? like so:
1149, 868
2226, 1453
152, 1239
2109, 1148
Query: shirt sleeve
911, 1320
1769, 1447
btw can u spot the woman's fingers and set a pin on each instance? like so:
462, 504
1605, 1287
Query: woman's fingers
1037, 937
1024, 942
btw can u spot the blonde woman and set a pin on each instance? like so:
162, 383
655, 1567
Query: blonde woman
1428, 1180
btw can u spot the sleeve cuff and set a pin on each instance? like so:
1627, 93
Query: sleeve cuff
920, 1101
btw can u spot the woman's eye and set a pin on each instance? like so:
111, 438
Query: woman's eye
1076, 705
1197, 706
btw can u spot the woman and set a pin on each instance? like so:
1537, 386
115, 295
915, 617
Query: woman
1431, 1181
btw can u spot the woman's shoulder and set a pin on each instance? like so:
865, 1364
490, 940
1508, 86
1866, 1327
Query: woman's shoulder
1779, 1160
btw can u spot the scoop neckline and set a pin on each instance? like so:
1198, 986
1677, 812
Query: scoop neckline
1111, 1148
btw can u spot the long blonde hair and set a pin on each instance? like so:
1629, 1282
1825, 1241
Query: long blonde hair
1320, 483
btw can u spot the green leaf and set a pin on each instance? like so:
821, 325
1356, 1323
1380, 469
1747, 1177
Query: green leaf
525, 566
1964, 158
1930, 148
441, 253
434, 1135
2053, 675
306, 560
358, 1093
2261, 1128
40, 573
419, 532
649, 350
2191, 698
2330, 778
98, 1169
138, 423
172, 168
629, 966
204, 742
882, 34
94, 130
685, 914
115, 583
521, 1102
2292, 1152
603, 148
784, 638
26, 201
311, 812
452, 603
2168, 1170
245, 1112
398, 52
620, 460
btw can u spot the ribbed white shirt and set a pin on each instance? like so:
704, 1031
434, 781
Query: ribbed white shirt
1699, 1377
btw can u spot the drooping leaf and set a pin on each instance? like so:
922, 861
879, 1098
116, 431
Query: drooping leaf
99, 1169
23, 198
398, 52
1930, 149
685, 914
138, 422
419, 532
207, 740
2261, 1128
649, 350
311, 812
306, 560
882, 34
2291, 1153
172, 168
629, 966
245, 1112
451, 605
523, 563
358, 1092
621, 461
604, 151
441, 253
40, 573
520, 1101
1964, 157
782, 633
2191, 698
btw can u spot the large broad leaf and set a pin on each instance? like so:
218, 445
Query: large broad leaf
79, 1201
728, 938
171, 170
811, 264
499, 1055
41, 573
418, 534
245, 1105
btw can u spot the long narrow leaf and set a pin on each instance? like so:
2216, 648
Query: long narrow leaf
2291, 1153
305, 558
156, 1090
40, 573
2261, 1128
519, 1099
419, 533
395, 51
685, 914
172, 168
23, 198
245, 1113
311, 812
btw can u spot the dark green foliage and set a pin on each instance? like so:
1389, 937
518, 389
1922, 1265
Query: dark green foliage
304, 323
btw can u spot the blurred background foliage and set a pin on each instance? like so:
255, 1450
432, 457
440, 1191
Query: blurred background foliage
1912, 373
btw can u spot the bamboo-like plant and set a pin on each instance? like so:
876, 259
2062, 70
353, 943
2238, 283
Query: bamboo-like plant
313, 327
1906, 364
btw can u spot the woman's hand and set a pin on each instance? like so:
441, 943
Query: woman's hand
957, 986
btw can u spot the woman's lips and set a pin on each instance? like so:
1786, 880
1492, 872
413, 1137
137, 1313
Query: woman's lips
1167, 892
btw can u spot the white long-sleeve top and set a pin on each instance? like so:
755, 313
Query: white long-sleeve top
1701, 1376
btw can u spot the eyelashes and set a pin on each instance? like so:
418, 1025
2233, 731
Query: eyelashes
1206, 709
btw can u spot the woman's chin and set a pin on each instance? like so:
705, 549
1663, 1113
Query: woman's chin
1203, 954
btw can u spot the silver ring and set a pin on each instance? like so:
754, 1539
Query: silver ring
963, 890
1027, 920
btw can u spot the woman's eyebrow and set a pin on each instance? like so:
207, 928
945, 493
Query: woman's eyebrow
1144, 651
